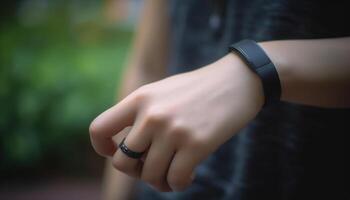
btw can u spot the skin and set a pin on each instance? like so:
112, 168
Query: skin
313, 72
169, 118
176, 124
180, 120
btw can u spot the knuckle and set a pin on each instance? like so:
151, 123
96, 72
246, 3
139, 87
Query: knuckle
141, 94
178, 131
179, 128
196, 141
156, 115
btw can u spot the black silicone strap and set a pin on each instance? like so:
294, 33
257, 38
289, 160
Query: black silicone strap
259, 62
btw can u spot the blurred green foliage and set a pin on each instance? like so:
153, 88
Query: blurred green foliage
59, 67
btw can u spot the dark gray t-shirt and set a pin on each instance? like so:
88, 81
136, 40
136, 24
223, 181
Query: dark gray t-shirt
289, 151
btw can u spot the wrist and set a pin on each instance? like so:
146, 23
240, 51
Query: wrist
259, 62
281, 62
243, 80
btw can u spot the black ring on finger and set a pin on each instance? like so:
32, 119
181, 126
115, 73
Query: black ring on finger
128, 152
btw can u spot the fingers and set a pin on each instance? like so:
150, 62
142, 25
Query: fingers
138, 140
181, 171
157, 162
153, 130
117, 139
110, 123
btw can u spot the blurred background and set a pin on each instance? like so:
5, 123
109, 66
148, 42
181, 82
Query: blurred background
60, 65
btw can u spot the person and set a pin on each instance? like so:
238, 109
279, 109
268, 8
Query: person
197, 114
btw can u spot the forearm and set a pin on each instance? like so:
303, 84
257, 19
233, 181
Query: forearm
313, 72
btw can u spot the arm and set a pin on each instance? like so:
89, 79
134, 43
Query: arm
313, 72
144, 66
184, 118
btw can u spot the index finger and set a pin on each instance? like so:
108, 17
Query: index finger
109, 123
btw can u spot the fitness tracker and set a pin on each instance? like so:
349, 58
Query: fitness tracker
257, 60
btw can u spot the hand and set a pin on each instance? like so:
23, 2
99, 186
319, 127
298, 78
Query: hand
179, 121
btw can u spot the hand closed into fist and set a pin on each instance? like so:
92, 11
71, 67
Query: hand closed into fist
179, 121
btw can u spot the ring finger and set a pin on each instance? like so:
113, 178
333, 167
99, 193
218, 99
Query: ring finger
138, 140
